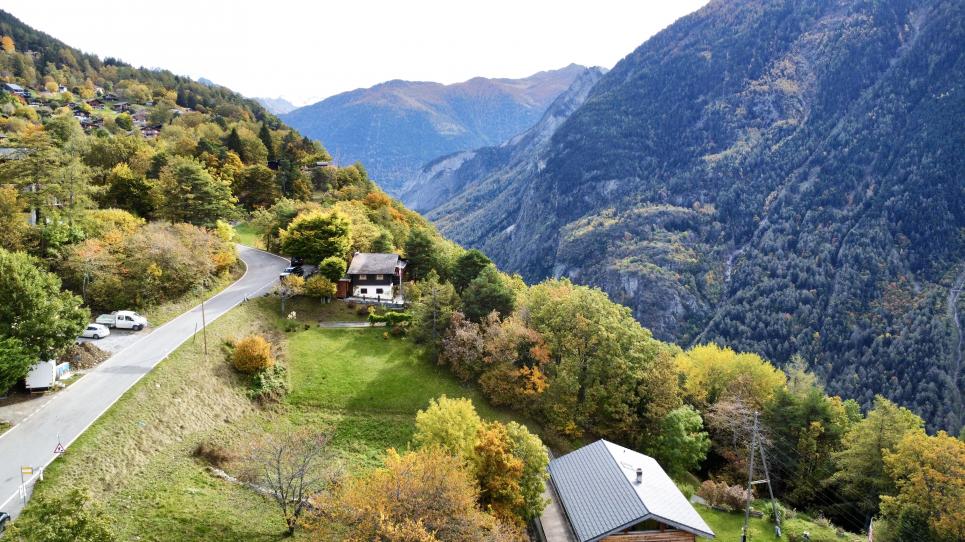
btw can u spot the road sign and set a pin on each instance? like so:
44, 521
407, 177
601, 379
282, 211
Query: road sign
59, 449
26, 471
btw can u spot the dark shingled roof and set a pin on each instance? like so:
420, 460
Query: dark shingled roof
368, 263
598, 491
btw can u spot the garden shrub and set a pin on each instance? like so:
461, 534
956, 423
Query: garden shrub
269, 385
723, 495
252, 354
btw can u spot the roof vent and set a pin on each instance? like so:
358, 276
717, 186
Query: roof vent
639, 475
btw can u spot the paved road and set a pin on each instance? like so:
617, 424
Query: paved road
74, 409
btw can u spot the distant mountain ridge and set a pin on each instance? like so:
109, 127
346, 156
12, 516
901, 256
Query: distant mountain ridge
277, 106
397, 126
488, 168
783, 177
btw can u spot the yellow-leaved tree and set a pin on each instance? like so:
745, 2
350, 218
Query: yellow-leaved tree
929, 474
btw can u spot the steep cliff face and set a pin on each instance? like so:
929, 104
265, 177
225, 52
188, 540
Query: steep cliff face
450, 176
397, 126
780, 176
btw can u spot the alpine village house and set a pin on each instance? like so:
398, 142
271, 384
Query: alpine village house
374, 277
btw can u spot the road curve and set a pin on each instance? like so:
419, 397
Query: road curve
73, 410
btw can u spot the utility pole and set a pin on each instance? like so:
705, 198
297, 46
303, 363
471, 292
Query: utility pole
204, 329
758, 446
750, 480
770, 491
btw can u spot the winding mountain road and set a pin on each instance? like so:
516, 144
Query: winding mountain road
73, 410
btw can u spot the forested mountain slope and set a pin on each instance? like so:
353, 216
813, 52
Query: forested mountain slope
396, 127
780, 176
487, 169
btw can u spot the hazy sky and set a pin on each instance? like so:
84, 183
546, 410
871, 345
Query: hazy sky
307, 50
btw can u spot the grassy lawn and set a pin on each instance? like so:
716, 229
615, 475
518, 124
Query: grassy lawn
248, 236
359, 371
310, 310
728, 525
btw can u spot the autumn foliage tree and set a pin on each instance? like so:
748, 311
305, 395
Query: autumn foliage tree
315, 236
929, 475
498, 471
426, 495
508, 461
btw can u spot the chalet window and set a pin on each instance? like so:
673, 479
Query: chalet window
364, 290
378, 291
378, 277
363, 277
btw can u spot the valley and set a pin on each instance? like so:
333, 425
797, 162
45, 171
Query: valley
713, 291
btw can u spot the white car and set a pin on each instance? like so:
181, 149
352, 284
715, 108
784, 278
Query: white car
95, 331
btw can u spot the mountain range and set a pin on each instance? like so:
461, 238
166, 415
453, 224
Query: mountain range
780, 176
277, 106
396, 127
493, 167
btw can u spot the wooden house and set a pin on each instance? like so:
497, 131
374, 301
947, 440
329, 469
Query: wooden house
614, 494
376, 277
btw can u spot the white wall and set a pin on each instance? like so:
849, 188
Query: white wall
387, 292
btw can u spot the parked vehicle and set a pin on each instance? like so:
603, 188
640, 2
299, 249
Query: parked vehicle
42, 375
95, 331
292, 270
4, 520
123, 320
297, 261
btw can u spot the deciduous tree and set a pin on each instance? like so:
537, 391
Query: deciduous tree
333, 268
34, 309
315, 236
290, 468
681, 443
320, 287
450, 424
929, 474
499, 472
15, 362
422, 496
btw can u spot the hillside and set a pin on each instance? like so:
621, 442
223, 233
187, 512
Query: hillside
489, 168
396, 127
782, 177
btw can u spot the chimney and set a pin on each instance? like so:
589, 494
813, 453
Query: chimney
639, 475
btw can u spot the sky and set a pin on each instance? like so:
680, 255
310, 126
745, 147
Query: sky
307, 50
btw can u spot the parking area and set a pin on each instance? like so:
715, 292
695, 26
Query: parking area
19, 405
118, 340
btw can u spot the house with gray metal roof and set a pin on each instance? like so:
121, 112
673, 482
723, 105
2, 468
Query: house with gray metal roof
608, 492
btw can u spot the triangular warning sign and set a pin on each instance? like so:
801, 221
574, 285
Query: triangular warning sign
59, 449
